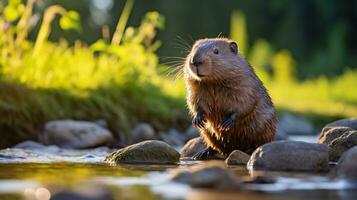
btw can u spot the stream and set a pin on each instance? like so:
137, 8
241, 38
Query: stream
81, 174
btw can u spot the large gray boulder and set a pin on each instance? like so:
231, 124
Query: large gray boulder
75, 134
290, 156
347, 165
150, 151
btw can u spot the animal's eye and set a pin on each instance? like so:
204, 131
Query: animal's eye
215, 51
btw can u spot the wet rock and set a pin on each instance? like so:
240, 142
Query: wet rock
341, 144
330, 134
339, 139
293, 125
347, 165
195, 145
290, 156
150, 151
191, 133
351, 123
237, 157
143, 131
75, 134
208, 175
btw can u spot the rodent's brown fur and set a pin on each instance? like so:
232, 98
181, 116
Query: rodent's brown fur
226, 83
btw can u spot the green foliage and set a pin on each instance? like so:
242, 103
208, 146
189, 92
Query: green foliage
70, 20
118, 83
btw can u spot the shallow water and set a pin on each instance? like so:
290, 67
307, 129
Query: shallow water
131, 182
40, 174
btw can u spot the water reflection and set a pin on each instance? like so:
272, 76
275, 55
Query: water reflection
151, 182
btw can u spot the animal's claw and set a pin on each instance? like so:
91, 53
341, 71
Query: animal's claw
204, 154
227, 123
199, 121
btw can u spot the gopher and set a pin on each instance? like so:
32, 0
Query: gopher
228, 102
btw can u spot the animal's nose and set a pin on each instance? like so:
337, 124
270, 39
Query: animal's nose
197, 59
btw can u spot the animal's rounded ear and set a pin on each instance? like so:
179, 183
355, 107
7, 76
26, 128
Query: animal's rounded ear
234, 47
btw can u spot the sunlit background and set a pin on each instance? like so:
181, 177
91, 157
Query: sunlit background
114, 60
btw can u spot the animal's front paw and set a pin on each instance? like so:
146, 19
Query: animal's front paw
204, 154
227, 123
199, 121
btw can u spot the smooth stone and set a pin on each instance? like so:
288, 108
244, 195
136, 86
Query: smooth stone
143, 131
211, 174
237, 157
150, 151
290, 156
347, 165
75, 134
195, 145
294, 125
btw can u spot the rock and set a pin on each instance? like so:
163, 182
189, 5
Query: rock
173, 138
290, 156
101, 122
339, 139
32, 145
191, 133
281, 134
29, 145
347, 165
143, 131
75, 134
52, 154
150, 151
341, 144
351, 123
260, 179
210, 175
327, 136
237, 157
193, 146
293, 125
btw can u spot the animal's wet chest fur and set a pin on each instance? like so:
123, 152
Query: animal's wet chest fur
215, 103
